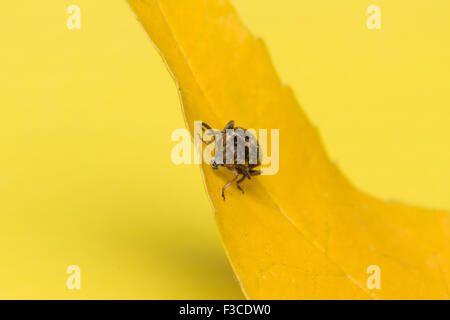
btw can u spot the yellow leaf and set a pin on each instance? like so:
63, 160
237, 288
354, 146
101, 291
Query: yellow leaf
305, 232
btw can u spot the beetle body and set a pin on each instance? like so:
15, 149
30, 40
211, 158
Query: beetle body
236, 149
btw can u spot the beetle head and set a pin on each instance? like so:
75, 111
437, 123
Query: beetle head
214, 164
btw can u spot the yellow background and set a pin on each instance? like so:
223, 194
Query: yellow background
86, 117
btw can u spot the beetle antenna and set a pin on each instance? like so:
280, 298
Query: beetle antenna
205, 125
230, 125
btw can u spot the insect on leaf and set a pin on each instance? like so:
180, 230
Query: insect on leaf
305, 232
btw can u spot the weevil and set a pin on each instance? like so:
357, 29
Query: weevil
241, 157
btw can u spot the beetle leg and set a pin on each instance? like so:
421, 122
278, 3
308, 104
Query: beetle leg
204, 141
209, 129
255, 172
247, 174
239, 181
236, 176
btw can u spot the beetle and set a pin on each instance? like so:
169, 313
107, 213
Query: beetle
241, 157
